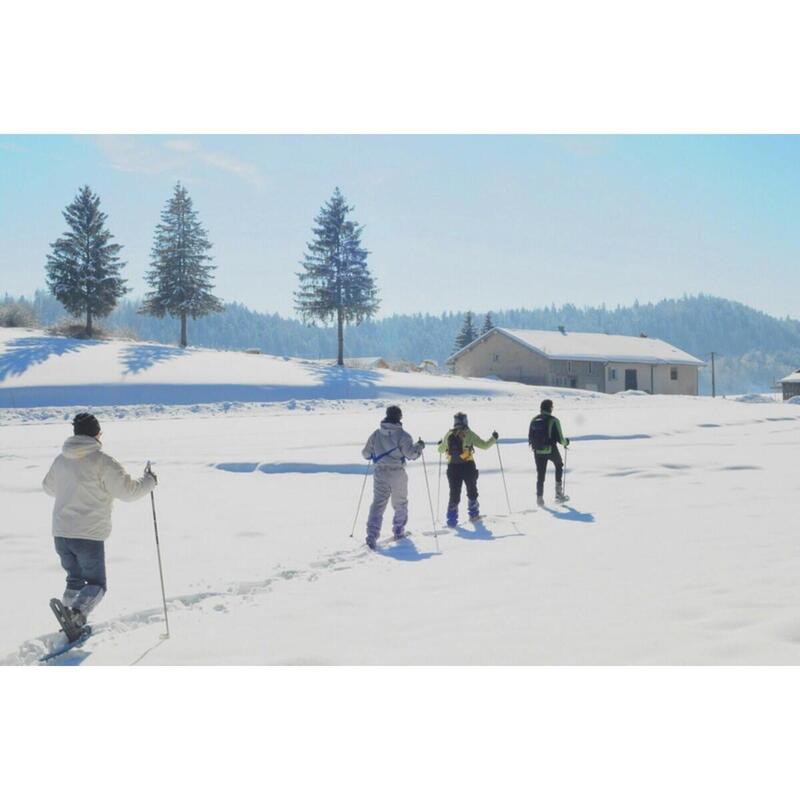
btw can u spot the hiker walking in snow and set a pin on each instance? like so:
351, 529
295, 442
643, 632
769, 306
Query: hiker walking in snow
459, 443
84, 482
544, 436
388, 448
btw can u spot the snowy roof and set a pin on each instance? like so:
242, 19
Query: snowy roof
593, 347
793, 378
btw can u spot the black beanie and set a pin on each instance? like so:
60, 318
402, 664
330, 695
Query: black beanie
394, 414
547, 405
85, 424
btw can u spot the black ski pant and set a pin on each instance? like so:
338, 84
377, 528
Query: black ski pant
464, 473
541, 468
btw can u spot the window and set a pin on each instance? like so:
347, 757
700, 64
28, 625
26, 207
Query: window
612, 374
569, 367
673, 373
589, 370
495, 356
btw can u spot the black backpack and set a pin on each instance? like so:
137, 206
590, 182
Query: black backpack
538, 435
455, 445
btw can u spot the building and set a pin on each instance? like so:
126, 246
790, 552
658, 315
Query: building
791, 385
596, 361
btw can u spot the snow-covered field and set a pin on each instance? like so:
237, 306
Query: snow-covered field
679, 545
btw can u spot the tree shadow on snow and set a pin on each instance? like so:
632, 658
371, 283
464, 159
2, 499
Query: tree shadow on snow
139, 357
348, 383
589, 437
22, 354
404, 550
571, 514
284, 468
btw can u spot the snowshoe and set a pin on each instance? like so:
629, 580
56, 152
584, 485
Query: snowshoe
72, 622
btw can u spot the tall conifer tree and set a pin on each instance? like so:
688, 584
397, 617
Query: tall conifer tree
467, 334
181, 274
336, 283
488, 323
83, 270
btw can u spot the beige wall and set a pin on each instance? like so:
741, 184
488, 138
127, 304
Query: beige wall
659, 380
498, 355
501, 356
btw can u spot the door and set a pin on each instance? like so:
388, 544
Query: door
630, 379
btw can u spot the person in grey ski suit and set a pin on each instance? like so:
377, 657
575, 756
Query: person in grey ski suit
388, 448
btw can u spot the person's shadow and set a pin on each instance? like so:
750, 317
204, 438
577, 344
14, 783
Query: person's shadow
479, 532
403, 550
571, 514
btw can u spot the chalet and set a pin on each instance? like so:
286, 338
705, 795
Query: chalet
598, 362
791, 385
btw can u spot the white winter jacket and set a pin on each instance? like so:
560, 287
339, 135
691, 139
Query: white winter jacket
390, 446
84, 481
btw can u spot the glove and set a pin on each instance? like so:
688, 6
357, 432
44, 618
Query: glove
566, 442
150, 472
495, 435
439, 442
420, 444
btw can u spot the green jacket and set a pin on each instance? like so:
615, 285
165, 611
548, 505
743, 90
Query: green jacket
549, 429
471, 441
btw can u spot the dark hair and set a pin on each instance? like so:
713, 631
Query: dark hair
546, 405
85, 424
394, 414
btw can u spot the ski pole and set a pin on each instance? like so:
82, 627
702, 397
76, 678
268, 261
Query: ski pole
503, 473
439, 487
564, 476
158, 552
430, 502
360, 498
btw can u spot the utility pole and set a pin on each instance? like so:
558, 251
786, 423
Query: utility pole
713, 376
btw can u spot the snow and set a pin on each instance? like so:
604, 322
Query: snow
595, 347
675, 548
794, 377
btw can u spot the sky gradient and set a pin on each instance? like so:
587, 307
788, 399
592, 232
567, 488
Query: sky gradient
452, 222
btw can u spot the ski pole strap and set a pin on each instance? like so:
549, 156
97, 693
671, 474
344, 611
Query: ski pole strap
376, 459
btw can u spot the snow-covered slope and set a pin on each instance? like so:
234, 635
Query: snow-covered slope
677, 546
38, 370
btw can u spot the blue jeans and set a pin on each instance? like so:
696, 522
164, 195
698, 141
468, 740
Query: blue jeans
85, 563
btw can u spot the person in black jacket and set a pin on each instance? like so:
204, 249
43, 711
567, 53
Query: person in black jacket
544, 436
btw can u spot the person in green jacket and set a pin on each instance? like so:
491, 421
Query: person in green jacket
544, 436
459, 443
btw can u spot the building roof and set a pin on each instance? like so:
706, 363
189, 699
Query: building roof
793, 378
570, 346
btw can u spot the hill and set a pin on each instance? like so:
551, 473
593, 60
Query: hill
754, 348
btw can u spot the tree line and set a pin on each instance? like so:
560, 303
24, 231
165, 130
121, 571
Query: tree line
84, 271
754, 348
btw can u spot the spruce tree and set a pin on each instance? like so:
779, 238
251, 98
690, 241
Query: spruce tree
488, 323
181, 274
467, 334
335, 282
83, 271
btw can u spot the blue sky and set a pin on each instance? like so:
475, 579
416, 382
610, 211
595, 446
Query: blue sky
452, 222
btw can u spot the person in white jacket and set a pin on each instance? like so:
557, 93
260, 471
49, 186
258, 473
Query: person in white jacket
84, 482
388, 448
